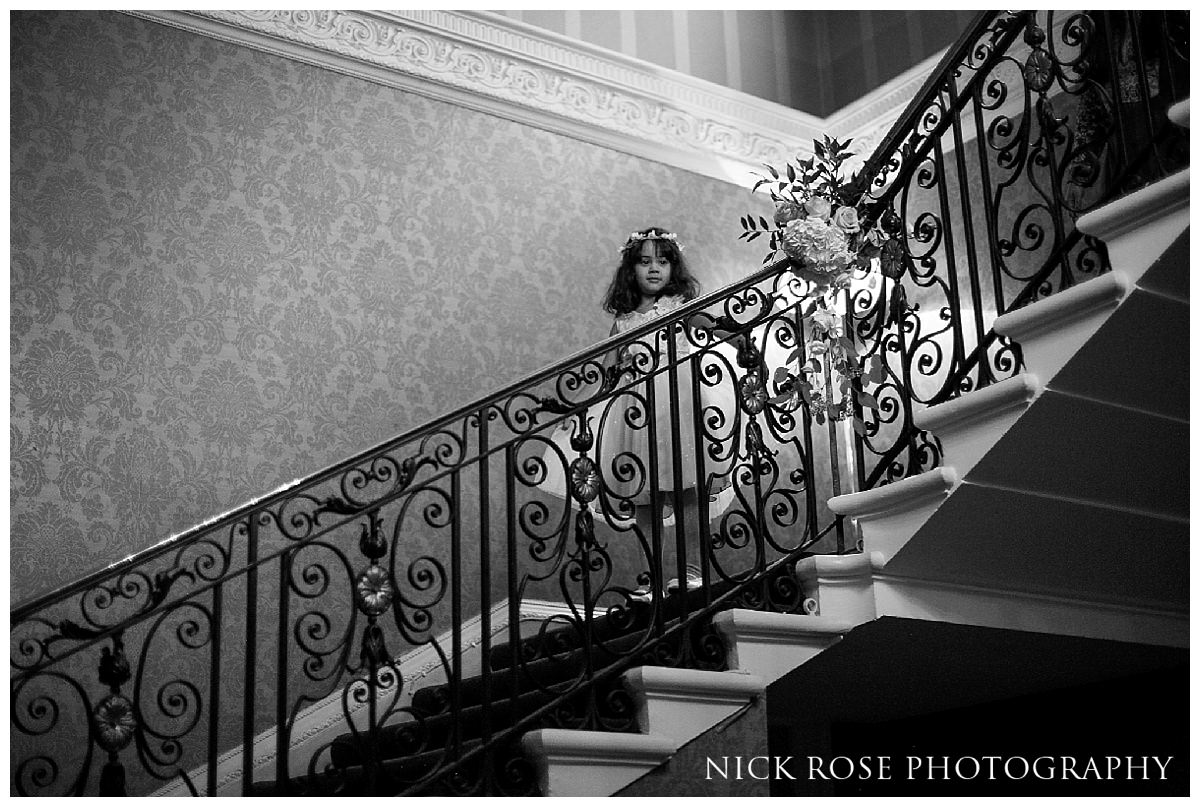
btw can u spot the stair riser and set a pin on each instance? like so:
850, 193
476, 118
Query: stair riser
682, 704
588, 763
772, 659
840, 586
969, 426
1127, 253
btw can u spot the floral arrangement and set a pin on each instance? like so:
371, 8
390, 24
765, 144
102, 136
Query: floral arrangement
819, 228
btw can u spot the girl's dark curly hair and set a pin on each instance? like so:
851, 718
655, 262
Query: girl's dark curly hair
623, 293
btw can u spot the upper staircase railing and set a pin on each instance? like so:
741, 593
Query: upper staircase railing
497, 555
1031, 120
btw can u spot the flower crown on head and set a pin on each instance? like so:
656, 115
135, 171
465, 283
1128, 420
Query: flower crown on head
637, 238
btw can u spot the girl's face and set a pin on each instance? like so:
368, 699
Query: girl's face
652, 269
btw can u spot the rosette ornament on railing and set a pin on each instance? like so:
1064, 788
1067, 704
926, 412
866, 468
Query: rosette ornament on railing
395, 623
1029, 121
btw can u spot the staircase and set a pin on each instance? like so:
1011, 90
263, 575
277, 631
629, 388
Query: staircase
1051, 547
1061, 508
1055, 526
1025, 527
1072, 475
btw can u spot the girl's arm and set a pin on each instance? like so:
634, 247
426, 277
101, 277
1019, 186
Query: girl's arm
610, 358
613, 364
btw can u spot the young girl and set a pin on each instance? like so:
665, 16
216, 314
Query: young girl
651, 280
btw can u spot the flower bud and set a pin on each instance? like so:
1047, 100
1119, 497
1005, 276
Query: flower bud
818, 207
787, 211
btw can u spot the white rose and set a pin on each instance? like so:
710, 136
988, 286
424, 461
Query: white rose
818, 207
846, 218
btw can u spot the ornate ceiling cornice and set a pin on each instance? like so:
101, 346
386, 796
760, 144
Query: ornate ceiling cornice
504, 67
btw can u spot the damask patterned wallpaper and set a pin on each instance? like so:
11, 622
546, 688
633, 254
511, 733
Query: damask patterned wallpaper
229, 269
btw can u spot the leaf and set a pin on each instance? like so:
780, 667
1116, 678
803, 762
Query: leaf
866, 400
791, 173
774, 173
780, 376
763, 221
754, 235
859, 426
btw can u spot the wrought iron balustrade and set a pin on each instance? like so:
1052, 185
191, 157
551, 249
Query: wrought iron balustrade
264, 650
1031, 120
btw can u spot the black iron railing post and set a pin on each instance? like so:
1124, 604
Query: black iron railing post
373, 595
514, 588
214, 691
752, 398
485, 584
249, 680
456, 614
698, 431
681, 517
282, 673
657, 579
116, 718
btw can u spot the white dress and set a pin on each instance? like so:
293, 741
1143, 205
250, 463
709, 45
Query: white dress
622, 433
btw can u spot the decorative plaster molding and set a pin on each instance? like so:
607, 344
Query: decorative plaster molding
498, 65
